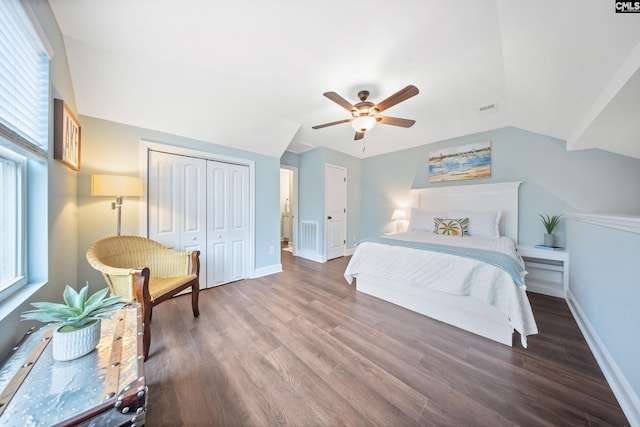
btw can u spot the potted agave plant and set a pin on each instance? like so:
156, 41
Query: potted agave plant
550, 223
78, 320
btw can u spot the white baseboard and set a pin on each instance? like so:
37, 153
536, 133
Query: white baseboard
317, 257
627, 398
265, 271
313, 256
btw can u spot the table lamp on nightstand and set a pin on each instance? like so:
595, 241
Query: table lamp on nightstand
399, 215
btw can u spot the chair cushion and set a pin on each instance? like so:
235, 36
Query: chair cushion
159, 286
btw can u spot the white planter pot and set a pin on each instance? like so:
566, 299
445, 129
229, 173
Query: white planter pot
549, 240
74, 344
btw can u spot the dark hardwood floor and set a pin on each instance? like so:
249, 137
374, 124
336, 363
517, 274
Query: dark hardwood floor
302, 348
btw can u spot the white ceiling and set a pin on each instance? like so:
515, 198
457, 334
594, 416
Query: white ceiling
250, 74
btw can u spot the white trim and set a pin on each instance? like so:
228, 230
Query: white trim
349, 251
266, 271
627, 398
146, 146
313, 256
630, 223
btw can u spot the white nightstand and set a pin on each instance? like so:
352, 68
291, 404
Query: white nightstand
548, 270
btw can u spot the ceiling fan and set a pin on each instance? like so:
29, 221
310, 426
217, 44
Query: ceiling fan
365, 114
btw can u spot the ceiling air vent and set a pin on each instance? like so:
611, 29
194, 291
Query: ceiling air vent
488, 108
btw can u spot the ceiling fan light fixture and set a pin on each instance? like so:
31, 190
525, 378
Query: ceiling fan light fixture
363, 123
365, 114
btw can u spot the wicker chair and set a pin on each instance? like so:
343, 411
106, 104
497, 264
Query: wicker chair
145, 271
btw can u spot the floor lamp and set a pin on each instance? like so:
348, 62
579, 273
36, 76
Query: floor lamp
117, 186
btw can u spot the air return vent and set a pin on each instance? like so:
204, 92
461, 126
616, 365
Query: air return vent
309, 236
488, 108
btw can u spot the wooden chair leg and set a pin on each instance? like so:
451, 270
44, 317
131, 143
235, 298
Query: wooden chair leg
195, 287
195, 293
144, 298
146, 331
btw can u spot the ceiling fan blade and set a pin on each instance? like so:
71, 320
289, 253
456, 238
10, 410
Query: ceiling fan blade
340, 101
395, 121
331, 124
359, 135
398, 97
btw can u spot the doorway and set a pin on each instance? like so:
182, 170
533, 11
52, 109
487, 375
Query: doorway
288, 208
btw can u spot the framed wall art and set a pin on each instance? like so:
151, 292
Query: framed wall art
463, 162
66, 136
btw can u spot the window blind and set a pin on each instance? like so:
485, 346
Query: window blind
11, 261
24, 81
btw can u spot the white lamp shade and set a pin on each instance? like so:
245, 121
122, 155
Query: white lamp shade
399, 215
116, 185
363, 123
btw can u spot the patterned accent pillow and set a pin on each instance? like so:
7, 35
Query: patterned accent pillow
451, 227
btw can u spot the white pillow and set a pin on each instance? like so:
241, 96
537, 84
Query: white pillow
481, 224
423, 220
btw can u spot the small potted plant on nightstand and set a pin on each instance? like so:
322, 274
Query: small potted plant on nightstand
78, 320
550, 223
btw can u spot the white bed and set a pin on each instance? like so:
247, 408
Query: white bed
466, 293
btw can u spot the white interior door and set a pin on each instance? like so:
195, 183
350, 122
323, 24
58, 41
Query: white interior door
177, 204
336, 209
228, 222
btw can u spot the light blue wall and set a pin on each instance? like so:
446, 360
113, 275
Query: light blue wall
604, 281
311, 189
110, 147
553, 180
290, 159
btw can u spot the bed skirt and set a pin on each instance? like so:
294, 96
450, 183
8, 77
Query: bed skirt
465, 312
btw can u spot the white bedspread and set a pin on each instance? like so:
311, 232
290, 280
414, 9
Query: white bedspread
449, 273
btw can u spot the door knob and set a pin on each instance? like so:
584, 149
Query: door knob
328, 217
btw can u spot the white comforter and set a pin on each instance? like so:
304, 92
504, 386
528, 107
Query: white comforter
449, 273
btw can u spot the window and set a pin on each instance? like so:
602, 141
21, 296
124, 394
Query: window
12, 171
24, 119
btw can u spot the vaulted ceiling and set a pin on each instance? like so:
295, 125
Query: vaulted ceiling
250, 74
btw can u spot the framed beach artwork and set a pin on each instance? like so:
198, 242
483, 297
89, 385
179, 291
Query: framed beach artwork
66, 136
462, 162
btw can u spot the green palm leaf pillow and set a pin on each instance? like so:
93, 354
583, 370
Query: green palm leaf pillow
451, 227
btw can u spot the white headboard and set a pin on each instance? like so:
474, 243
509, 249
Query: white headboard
479, 197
